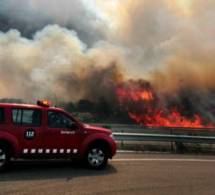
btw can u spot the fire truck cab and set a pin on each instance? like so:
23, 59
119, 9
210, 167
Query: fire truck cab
41, 131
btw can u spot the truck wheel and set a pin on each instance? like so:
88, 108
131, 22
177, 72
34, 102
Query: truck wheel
4, 158
96, 157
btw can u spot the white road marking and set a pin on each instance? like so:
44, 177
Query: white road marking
163, 159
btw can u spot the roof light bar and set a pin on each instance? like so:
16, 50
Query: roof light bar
44, 103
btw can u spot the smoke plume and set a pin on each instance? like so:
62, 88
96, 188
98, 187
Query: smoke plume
55, 63
71, 50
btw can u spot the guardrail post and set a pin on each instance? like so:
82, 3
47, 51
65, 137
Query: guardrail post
171, 146
122, 142
179, 147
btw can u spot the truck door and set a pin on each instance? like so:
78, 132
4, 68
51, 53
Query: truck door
62, 135
27, 127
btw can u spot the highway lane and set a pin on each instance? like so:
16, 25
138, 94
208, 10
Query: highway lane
126, 174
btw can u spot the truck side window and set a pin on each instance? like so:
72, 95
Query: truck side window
27, 117
2, 116
58, 120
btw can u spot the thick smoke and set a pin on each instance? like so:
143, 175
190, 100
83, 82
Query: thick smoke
56, 64
29, 16
71, 50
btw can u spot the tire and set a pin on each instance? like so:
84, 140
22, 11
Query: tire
4, 158
96, 157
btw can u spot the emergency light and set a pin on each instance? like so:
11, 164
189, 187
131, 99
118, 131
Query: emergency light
44, 103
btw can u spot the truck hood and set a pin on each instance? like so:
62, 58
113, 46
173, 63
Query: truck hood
92, 128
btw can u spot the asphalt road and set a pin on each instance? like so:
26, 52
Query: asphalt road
126, 174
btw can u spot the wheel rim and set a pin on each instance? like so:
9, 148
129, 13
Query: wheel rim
2, 157
96, 157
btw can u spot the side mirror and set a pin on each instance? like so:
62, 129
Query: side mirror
72, 126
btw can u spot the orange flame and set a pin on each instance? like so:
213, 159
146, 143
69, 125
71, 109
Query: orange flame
145, 110
137, 95
174, 119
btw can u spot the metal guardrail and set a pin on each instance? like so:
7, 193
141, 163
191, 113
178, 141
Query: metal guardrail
131, 128
130, 132
163, 138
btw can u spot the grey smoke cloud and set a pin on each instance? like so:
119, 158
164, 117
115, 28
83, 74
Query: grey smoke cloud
55, 63
170, 43
29, 16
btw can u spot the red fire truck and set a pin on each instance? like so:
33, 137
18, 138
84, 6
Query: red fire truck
41, 131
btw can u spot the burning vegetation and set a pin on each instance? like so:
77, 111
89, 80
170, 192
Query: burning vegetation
144, 106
